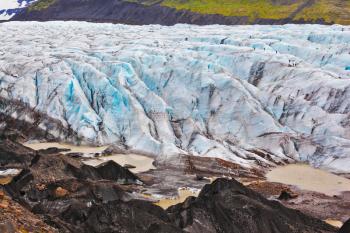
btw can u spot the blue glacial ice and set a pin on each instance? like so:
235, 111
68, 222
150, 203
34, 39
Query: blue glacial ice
254, 95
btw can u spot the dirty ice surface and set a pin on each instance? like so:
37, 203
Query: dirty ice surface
253, 95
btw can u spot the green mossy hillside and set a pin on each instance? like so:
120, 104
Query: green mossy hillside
41, 5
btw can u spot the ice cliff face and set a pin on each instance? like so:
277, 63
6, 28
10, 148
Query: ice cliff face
8, 8
255, 95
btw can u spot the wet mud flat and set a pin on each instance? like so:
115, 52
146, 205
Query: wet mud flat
164, 182
332, 206
316, 192
308, 178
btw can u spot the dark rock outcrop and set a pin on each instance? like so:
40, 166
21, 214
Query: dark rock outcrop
74, 197
345, 228
118, 11
20, 122
287, 194
228, 206
14, 218
89, 206
110, 170
132, 216
14, 155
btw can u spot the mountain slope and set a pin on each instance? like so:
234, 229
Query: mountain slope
329, 11
271, 95
8, 8
169, 12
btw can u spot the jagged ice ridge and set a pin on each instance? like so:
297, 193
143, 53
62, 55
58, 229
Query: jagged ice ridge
254, 95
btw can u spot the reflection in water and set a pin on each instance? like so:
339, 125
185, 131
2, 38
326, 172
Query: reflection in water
73, 148
309, 178
140, 162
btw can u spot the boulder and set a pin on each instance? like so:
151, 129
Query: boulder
61, 192
287, 194
112, 171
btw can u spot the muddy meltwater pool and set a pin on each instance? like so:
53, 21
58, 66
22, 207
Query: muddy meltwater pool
140, 162
73, 148
183, 194
308, 178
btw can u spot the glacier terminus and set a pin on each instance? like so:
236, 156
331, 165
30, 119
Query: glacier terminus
254, 95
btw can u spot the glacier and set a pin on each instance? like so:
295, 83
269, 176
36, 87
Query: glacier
258, 96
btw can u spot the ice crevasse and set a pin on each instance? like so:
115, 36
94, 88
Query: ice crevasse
254, 95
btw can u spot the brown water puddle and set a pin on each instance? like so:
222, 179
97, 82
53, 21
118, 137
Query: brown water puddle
183, 194
308, 178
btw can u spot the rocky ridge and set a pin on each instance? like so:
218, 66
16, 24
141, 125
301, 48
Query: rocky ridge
227, 206
83, 202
